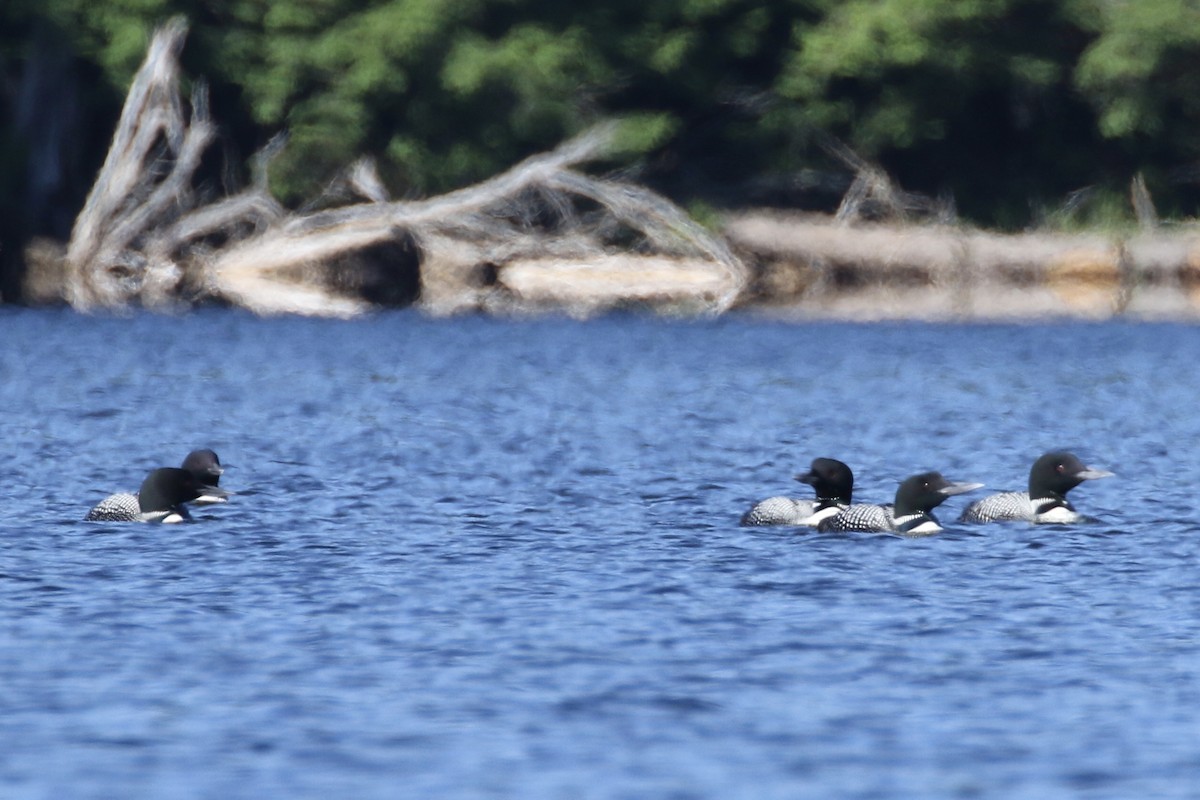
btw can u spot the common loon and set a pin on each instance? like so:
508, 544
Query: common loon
161, 499
1050, 478
833, 482
207, 468
911, 514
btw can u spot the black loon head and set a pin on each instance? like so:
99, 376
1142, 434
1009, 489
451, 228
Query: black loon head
922, 493
830, 478
1056, 473
167, 489
207, 468
205, 465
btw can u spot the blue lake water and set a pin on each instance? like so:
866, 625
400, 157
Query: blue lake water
479, 558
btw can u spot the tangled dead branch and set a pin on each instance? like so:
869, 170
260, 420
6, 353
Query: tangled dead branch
144, 181
143, 239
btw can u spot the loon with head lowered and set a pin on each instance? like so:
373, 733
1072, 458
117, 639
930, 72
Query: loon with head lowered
161, 499
1050, 478
911, 514
833, 483
207, 468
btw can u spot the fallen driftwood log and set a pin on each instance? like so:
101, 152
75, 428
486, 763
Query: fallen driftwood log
143, 238
818, 266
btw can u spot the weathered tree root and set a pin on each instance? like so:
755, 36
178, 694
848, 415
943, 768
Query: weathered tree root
142, 239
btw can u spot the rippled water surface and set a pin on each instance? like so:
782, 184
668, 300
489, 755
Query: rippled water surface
491, 559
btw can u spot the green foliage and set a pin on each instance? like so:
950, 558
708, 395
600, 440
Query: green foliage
892, 73
705, 214
1141, 70
540, 72
450, 92
979, 98
638, 134
340, 75
1007, 104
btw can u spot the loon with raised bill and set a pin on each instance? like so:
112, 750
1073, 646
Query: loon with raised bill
833, 483
1050, 478
207, 468
161, 499
911, 514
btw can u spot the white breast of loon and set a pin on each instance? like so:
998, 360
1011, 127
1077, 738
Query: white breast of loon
1051, 511
916, 525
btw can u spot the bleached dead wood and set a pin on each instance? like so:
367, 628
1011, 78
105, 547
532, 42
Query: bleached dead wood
1143, 204
136, 239
584, 287
145, 180
879, 270
484, 214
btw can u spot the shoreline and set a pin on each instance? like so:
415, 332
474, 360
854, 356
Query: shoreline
797, 267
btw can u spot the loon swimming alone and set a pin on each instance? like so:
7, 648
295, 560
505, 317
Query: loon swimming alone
1050, 478
911, 514
207, 468
833, 482
160, 499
